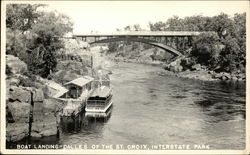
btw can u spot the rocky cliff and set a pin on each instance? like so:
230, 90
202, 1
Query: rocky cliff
28, 112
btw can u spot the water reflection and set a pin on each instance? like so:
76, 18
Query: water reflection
223, 101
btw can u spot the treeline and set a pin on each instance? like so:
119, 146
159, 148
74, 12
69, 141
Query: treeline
34, 36
224, 50
221, 51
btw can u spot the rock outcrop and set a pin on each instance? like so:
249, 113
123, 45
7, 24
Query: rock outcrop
73, 66
46, 117
18, 113
186, 68
175, 66
16, 131
27, 109
22, 105
15, 64
197, 75
19, 93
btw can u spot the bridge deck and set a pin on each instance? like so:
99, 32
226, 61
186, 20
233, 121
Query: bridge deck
141, 33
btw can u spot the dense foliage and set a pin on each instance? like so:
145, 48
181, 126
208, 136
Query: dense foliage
224, 50
34, 36
206, 49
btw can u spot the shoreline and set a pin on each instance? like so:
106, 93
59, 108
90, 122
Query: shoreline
201, 75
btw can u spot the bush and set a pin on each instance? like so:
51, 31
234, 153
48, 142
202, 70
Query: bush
37, 41
8, 70
206, 49
187, 63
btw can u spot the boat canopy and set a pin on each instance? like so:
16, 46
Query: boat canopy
102, 92
80, 81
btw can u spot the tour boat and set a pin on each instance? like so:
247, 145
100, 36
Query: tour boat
106, 114
100, 100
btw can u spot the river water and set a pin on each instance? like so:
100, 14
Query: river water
152, 109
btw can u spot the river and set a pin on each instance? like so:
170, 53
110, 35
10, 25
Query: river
152, 109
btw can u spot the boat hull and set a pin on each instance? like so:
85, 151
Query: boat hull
98, 110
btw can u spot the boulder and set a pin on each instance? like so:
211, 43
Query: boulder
49, 132
16, 131
15, 64
241, 76
53, 105
187, 63
211, 72
38, 107
175, 66
196, 67
45, 121
217, 75
12, 81
19, 93
35, 134
20, 111
199, 75
234, 78
38, 95
225, 76
144, 59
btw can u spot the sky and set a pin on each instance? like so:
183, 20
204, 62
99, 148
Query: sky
106, 16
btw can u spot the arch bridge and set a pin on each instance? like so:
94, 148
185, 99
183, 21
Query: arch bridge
174, 42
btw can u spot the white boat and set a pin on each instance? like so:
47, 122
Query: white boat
100, 114
100, 100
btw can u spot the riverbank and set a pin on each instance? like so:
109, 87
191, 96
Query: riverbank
32, 108
174, 68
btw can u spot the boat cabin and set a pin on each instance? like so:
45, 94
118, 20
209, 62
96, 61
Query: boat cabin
100, 100
79, 88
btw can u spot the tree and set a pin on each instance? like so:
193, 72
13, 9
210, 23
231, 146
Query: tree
22, 16
223, 25
35, 38
127, 28
226, 49
158, 26
137, 27
175, 24
196, 23
19, 21
230, 55
206, 49
240, 22
46, 41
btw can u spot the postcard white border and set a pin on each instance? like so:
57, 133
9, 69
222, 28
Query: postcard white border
3, 114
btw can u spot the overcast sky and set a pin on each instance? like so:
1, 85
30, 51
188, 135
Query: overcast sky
107, 16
